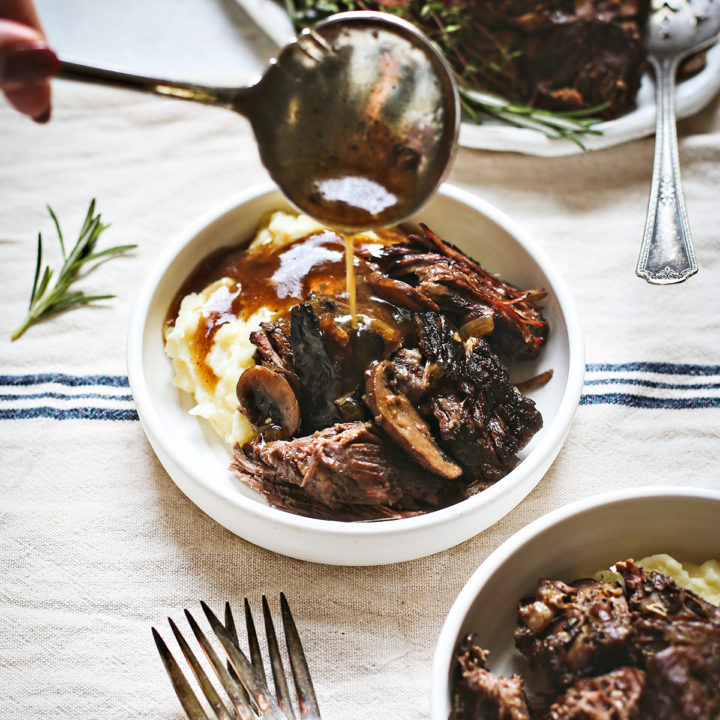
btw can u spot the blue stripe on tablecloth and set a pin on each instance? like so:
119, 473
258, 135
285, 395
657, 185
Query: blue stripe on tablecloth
81, 413
653, 384
629, 374
63, 379
65, 396
655, 367
29, 405
642, 401
685, 395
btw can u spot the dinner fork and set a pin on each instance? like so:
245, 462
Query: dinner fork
243, 680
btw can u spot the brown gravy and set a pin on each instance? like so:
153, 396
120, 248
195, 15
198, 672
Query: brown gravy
374, 184
278, 278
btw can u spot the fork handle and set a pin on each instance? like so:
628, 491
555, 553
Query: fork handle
666, 252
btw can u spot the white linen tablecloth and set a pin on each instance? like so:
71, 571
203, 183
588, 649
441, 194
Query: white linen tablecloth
96, 542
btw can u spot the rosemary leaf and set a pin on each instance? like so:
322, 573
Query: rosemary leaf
78, 298
569, 125
57, 228
47, 276
109, 251
38, 264
46, 300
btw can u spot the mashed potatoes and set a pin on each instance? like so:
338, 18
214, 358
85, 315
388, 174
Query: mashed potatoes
704, 580
283, 228
231, 351
230, 354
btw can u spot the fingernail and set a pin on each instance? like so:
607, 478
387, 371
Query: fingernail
43, 117
28, 65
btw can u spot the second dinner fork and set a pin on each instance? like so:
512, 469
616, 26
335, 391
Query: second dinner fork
243, 680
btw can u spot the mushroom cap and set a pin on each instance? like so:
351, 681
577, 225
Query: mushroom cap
267, 399
395, 414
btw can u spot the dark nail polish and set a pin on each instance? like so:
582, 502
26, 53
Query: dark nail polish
43, 117
28, 65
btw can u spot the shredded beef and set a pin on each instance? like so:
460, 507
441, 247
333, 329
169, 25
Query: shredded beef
665, 615
482, 421
463, 291
560, 54
265, 350
683, 682
410, 374
614, 696
645, 650
348, 470
440, 344
314, 369
574, 630
440, 417
480, 694
586, 63
462, 391
280, 343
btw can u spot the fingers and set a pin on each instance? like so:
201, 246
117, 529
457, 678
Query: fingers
32, 100
21, 11
26, 62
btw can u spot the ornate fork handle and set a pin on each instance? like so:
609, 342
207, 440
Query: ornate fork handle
666, 253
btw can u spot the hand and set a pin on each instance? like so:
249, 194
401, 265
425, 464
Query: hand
26, 62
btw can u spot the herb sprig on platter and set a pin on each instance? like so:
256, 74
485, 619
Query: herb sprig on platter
570, 124
46, 299
446, 24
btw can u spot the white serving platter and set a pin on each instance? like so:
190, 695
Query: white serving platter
692, 95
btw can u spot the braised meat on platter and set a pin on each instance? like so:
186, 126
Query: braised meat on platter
558, 55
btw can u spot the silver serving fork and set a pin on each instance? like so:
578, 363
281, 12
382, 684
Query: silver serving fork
243, 680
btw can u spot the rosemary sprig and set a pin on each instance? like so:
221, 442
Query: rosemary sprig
46, 300
570, 124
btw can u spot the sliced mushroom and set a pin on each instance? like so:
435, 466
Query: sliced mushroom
401, 421
267, 400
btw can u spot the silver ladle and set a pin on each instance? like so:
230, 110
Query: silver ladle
675, 29
356, 121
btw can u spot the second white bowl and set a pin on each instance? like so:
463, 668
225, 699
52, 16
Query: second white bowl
572, 542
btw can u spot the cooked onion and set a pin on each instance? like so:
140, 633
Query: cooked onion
477, 327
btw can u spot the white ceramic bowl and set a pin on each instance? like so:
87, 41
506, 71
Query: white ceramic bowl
568, 543
198, 461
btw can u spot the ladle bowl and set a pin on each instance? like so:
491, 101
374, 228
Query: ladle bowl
356, 120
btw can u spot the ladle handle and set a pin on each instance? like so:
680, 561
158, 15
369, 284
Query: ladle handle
666, 253
206, 94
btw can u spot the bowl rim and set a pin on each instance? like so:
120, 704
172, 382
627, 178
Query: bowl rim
549, 444
447, 639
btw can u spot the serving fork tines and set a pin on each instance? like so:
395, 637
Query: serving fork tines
243, 680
